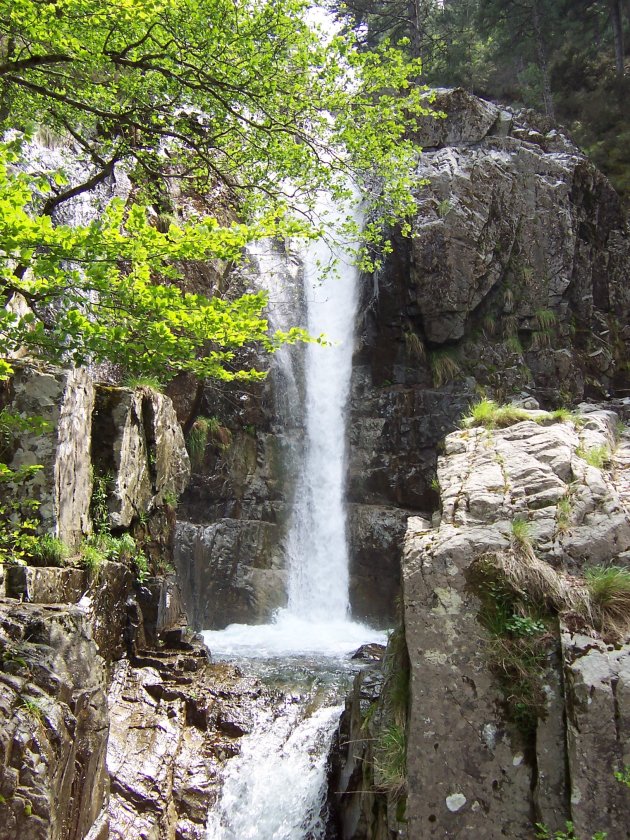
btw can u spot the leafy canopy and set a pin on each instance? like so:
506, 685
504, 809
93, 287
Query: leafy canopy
243, 96
111, 308
248, 93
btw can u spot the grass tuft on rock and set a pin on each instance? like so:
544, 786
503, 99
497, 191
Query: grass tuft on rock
490, 415
609, 588
49, 551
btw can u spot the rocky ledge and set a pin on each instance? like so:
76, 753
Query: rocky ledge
121, 739
520, 669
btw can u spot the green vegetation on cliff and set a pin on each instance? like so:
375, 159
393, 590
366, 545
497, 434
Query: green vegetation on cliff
244, 105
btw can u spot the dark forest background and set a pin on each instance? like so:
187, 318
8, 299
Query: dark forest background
568, 59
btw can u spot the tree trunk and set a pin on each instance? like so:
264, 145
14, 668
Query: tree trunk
542, 59
617, 28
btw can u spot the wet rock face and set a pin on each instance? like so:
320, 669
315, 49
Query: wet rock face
171, 728
231, 571
53, 739
470, 771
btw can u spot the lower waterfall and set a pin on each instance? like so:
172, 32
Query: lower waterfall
275, 789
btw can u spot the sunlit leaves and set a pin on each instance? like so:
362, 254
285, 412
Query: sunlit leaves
112, 307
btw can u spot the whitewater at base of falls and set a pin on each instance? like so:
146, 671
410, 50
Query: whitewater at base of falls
276, 788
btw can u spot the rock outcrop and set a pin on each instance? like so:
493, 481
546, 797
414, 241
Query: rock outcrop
478, 764
53, 779
129, 438
514, 283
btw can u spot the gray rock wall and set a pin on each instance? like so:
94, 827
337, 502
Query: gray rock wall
472, 769
131, 437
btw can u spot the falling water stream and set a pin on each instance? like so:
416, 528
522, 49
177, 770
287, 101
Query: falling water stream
275, 789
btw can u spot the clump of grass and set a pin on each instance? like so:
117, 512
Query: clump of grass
205, 430
564, 510
541, 340
596, 456
521, 533
116, 549
513, 344
390, 759
91, 559
49, 551
609, 588
545, 318
563, 415
152, 382
414, 344
444, 367
491, 415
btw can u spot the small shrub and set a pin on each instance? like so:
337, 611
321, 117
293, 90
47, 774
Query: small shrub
141, 566
444, 208
525, 625
91, 558
623, 776
171, 499
596, 456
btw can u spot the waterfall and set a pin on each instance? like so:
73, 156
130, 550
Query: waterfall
317, 545
275, 789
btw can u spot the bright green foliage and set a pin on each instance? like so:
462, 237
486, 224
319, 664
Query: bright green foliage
609, 586
489, 414
596, 456
623, 776
543, 833
49, 551
236, 97
521, 532
122, 315
242, 92
390, 758
204, 430
91, 558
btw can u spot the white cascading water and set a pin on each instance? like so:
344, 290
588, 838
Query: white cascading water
317, 544
275, 789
